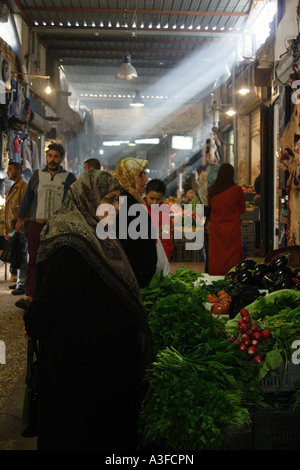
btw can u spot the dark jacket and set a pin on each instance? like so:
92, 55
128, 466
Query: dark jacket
140, 252
90, 384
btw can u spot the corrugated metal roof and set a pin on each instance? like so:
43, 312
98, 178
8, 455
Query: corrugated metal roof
89, 37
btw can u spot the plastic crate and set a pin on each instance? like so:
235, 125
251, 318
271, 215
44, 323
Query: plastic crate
286, 383
250, 214
180, 253
248, 230
276, 430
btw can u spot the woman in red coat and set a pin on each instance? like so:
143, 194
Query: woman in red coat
227, 202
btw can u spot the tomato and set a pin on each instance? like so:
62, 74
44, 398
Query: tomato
226, 305
212, 299
224, 296
219, 310
221, 292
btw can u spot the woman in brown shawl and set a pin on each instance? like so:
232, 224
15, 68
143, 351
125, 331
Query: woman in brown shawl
141, 251
227, 202
94, 338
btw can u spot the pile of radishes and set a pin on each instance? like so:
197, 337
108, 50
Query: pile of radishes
249, 335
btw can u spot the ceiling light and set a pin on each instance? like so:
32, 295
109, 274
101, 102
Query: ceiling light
48, 90
243, 91
230, 112
126, 71
137, 101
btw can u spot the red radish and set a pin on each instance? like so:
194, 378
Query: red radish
254, 327
240, 321
257, 358
249, 332
244, 327
231, 339
243, 347
266, 333
244, 337
256, 335
254, 342
244, 312
247, 319
238, 342
247, 342
252, 350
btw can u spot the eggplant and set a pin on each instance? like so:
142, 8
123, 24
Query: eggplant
283, 282
259, 271
284, 271
247, 263
243, 296
230, 275
278, 262
245, 278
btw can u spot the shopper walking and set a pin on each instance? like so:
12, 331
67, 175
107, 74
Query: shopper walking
227, 202
13, 199
141, 251
45, 193
94, 337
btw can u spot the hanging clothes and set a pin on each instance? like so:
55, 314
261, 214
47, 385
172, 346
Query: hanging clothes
29, 154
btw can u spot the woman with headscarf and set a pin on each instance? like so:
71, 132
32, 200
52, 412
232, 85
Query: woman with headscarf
227, 202
205, 180
141, 251
93, 334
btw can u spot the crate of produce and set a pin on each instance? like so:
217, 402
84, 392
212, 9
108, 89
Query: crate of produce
276, 430
251, 214
285, 381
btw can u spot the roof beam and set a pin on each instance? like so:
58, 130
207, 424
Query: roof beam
134, 11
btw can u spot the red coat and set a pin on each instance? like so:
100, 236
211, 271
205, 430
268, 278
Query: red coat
167, 243
225, 239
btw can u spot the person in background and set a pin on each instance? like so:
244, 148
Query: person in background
93, 334
189, 195
141, 252
14, 196
206, 179
155, 191
227, 202
45, 193
92, 164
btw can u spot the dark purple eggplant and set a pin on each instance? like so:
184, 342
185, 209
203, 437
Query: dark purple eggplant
245, 278
278, 262
247, 263
283, 282
284, 271
260, 270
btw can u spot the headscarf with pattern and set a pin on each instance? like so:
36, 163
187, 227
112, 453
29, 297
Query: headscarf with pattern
127, 171
74, 225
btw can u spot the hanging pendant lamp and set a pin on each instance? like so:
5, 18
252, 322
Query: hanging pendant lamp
126, 71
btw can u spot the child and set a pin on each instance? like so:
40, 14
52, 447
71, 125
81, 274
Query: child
155, 191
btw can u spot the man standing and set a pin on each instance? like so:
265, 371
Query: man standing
45, 193
92, 164
14, 196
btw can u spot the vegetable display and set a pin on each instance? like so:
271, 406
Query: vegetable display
207, 371
273, 276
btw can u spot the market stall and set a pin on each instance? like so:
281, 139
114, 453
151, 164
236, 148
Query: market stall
223, 378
